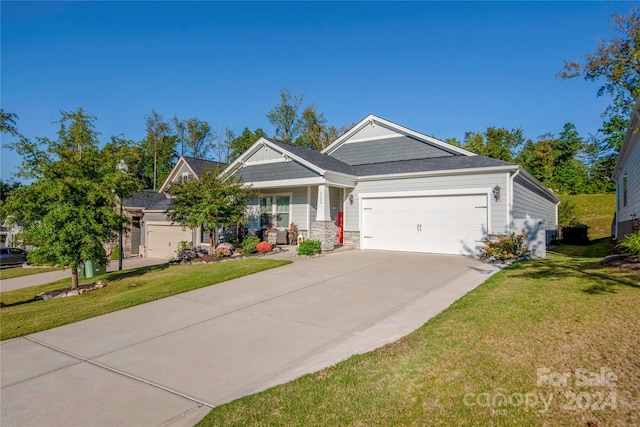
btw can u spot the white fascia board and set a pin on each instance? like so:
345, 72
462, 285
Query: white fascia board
629, 142
467, 171
282, 183
262, 142
398, 128
243, 157
354, 129
172, 175
295, 158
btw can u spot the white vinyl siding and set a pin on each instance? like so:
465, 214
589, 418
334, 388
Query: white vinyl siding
632, 170
264, 154
499, 222
530, 204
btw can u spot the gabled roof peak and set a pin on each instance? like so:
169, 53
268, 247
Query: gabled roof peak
373, 120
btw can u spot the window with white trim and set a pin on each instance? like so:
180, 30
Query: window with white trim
275, 211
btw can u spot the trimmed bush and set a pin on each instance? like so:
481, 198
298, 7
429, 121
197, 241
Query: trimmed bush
249, 245
309, 248
576, 235
631, 245
264, 247
504, 247
225, 249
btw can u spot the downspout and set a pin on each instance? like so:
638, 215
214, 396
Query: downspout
511, 196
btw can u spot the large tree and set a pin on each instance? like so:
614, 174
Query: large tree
284, 116
616, 66
209, 201
537, 158
158, 149
194, 136
315, 133
499, 143
69, 210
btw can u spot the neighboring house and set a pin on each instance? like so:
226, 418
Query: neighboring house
152, 234
8, 233
384, 186
627, 177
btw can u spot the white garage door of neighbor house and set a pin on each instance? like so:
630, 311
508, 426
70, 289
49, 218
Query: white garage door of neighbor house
163, 240
435, 224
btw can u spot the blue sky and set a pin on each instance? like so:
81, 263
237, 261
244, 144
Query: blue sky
438, 68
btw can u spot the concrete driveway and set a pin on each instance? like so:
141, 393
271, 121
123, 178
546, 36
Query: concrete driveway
169, 362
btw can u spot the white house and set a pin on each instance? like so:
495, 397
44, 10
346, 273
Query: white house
627, 177
384, 186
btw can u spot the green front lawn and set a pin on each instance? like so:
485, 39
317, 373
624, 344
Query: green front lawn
561, 314
21, 315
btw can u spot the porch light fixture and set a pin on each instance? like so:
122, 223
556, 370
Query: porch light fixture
351, 198
496, 193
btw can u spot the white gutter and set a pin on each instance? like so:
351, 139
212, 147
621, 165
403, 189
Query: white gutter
436, 173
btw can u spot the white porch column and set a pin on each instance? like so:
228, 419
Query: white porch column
324, 209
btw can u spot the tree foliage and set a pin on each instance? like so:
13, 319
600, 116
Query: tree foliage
195, 137
209, 200
499, 143
616, 64
69, 211
158, 150
284, 116
239, 144
615, 61
315, 133
8, 123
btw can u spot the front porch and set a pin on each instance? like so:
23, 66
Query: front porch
317, 211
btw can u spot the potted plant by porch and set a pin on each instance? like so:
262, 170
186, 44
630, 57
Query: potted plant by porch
271, 235
293, 234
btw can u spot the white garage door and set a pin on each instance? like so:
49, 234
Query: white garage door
435, 224
163, 240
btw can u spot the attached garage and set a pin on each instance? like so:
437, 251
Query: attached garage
444, 224
163, 239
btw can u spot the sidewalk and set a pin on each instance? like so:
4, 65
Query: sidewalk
52, 276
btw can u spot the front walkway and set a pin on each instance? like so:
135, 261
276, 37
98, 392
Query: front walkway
170, 361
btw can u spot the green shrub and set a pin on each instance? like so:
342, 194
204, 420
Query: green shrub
249, 245
577, 234
503, 247
631, 245
309, 247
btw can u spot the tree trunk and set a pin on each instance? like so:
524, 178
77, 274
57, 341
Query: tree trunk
211, 245
74, 278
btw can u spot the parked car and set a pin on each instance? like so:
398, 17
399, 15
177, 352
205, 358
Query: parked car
12, 257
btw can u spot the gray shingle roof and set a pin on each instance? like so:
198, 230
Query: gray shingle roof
432, 164
444, 163
200, 165
323, 161
144, 199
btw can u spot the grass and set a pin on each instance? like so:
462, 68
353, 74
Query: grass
10, 273
599, 248
595, 210
22, 315
562, 313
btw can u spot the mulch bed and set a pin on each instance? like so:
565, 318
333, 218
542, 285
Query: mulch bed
622, 261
